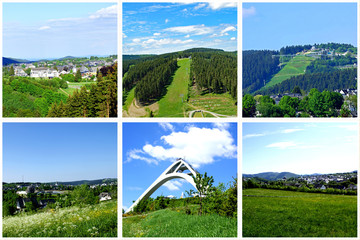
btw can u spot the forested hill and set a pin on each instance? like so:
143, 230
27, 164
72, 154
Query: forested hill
258, 68
306, 66
271, 175
331, 81
212, 71
7, 61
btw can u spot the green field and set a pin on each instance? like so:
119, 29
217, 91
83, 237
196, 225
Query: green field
218, 103
98, 220
172, 104
277, 213
174, 223
296, 66
129, 98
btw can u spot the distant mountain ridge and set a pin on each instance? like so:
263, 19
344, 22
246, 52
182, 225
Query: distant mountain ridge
271, 175
80, 182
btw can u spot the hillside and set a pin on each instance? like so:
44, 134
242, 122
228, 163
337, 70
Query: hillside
271, 175
263, 70
165, 85
7, 61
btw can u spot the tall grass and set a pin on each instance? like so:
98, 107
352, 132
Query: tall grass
174, 223
276, 213
98, 220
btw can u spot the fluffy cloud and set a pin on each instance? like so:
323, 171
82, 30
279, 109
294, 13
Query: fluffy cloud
200, 5
192, 29
157, 34
247, 12
173, 185
109, 12
219, 5
282, 145
44, 28
199, 146
233, 39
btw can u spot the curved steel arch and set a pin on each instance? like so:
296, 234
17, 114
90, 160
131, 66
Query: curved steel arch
175, 170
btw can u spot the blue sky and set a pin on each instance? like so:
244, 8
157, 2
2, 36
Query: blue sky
274, 25
54, 30
150, 148
301, 148
48, 152
155, 28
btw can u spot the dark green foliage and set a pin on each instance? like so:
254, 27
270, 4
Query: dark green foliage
338, 79
9, 202
258, 69
294, 49
249, 106
330, 65
215, 72
77, 76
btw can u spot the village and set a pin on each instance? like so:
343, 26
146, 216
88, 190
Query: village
340, 181
42, 194
49, 69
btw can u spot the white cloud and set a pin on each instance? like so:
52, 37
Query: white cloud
157, 34
109, 12
136, 40
281, 145
199, 145
233, 39
292, 130
200, 5
221, 125
192, 29
167, 20
253, 135
153, 43
247, 12
135, 154
173, 185
187, 36
124, 35
166, 126
227, 29
44, 28
219, 5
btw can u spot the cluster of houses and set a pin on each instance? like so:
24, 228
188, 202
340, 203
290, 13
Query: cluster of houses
321, 52
50, 70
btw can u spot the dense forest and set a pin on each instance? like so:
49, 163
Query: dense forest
330, 65
258, 69
215, 72
339, 79
99, 101
294, 49
29, 97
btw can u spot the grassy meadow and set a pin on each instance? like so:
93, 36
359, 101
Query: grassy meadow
98, 220
171, 105
296, 66
277, 213
175, 223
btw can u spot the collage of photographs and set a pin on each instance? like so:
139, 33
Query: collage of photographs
179, 119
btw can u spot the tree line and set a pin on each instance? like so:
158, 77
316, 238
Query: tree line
316, 104
215, 72
339, 79
258, 69
99, 101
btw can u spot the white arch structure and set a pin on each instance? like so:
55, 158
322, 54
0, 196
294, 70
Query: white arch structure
176, 170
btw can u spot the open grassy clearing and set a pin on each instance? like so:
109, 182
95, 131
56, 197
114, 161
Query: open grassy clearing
277, 213
98, 220
296, 66
172, 104
129, 99
217, 103
174, 223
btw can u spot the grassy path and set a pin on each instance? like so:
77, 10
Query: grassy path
296, 66
171, 105
277, 213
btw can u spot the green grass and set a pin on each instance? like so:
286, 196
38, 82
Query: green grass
296, 66
98, 220
129, 98
174, 223
80, 83
217, 103
172, 104
277, 213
